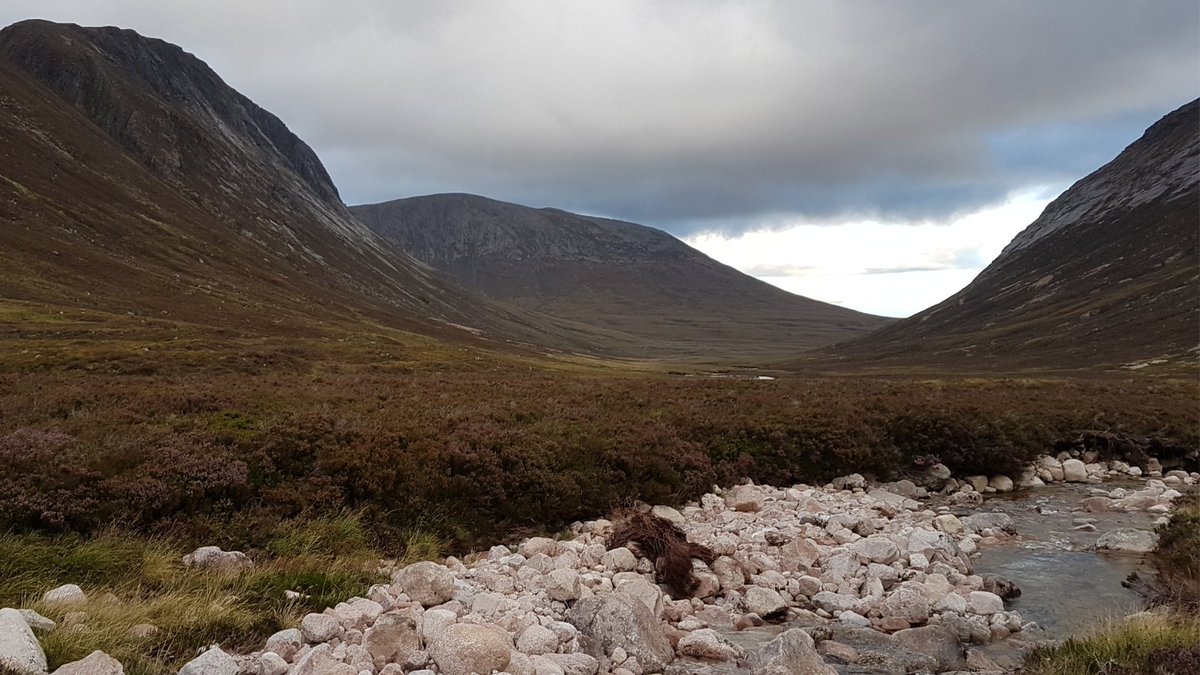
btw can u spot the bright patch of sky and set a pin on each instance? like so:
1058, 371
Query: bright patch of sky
892, 268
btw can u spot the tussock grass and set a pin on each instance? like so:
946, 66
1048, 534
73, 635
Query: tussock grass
1177, 557
1151, 644
132, 580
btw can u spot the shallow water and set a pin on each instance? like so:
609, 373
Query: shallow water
1065, 586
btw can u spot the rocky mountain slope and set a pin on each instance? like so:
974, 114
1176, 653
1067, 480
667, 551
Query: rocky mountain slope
136, 183
610, 274
1107, 276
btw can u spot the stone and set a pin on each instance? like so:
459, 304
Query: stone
1074, 471
65, 596
563, 585
978, 483
985, 603
1127, 540
936, 641
854, 619
619, 559
20, 651
1005, 588
392, 639
212, 662
791, 653
1096, 505
96, 663
765, 602
318, 628
426, 583
906, 603
853, 481
37, 622
464, 649
645, 592
1001, 483
213, 559
270, 663
708, 644
1000, 522
837, 652
535, 545
573, 664
876, 549
618, 620
142, 631
747, 498
948, 523
285, 643
536, 640
835, 603
668, 513
318, 660
434, 622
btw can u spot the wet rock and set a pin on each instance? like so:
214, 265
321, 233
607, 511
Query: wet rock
20, 651
464, 649
792, 653
96, 663
1005, 588
1127, 540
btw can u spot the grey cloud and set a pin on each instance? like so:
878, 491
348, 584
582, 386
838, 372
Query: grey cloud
693, 114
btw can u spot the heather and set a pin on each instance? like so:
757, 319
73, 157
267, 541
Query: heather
458, 457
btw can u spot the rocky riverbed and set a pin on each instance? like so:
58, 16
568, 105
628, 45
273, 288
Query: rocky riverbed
844, 577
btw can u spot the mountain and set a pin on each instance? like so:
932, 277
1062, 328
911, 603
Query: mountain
137, 185
1107, 277
609, 274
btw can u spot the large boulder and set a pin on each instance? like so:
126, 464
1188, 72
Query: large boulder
213, 559
427, 583
212, 662
618, 620
791, 653
744, 498
765, 602
318, 628
96, 663
19, 649
464, 649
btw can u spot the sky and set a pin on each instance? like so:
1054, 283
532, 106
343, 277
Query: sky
876, 155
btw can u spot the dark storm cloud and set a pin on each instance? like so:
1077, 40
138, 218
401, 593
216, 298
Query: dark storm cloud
694, 114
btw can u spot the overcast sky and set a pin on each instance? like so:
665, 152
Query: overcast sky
872, 154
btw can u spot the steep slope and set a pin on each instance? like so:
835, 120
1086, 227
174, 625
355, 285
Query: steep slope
136, 183
1107, 276
610, 274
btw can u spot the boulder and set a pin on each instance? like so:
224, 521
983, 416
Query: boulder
936, 641
1001, 483
392, 639
1127, 540
791, 653
19, 649
985, 603
427, 583
563, 585
434, 622
536, 640
876, 549
572, 664
1005, 588
213, 559
709, 645
285, 643
37, 622
668, 513
948, 523
618, 620
765, 602
318, 628
96, 663
854, 481
464, 649
535, 545
744, 498
212, 662
906, 603
1074, 471
834, 603
270, 663
619, 559
65, 596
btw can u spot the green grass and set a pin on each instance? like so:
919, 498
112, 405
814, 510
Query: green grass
132, 580
1177, 557
1161, 645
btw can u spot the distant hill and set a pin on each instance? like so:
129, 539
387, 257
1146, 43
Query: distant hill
1108, 276
136, 183
609, 274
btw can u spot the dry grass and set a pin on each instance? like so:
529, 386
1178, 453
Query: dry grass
1154, 645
